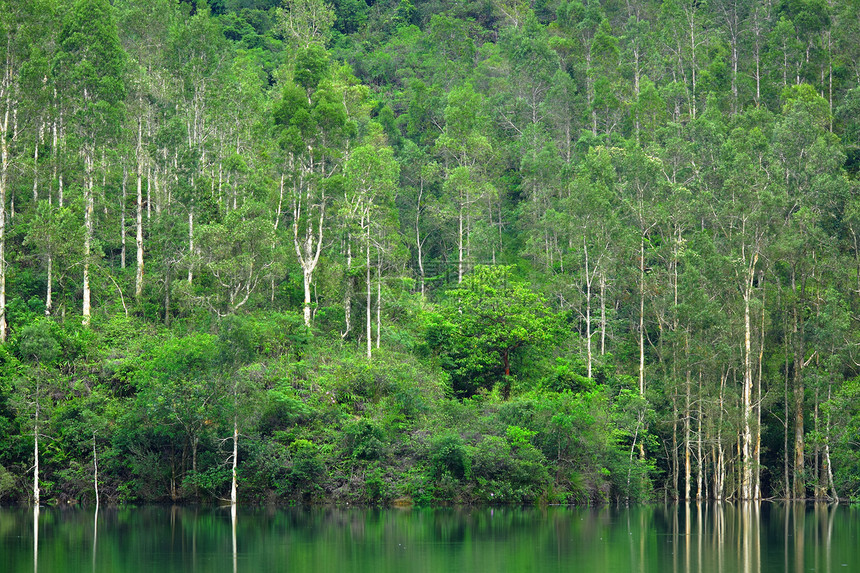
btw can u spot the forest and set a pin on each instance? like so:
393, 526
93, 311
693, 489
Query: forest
429, 251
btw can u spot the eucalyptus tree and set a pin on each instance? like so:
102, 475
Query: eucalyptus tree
145, 30
589, 236
238, 253
579, 22
641, 196
745, 219
24, 72
38, 348
57, 238
809, 159
465, 151
687, 34
314, 130
370, 180
306, 22
420, 174
90, 68
198, 62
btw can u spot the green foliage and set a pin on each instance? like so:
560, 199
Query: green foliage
449, 457
489, 319
364, 440
306, 466
569, 220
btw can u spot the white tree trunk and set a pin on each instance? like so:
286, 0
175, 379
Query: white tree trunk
190, 244
233, 496
307, 248
36, 491
587, 307
49, 290
4, 171
367, 280
642, 315
95, 472
138, 239
378, 302
88, 232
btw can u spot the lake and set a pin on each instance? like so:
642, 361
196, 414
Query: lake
705, 537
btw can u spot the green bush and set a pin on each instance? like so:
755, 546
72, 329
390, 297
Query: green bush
307, 466
448, 455
364, 440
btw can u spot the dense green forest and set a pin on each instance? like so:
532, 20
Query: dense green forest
429, 251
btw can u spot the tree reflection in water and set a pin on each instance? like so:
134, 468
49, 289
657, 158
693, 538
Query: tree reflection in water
686, 538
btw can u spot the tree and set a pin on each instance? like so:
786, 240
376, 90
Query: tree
370, 179
238, 253
466, 151
314, 128
37, 346
489, 319
179, 390
22, 33
91, 66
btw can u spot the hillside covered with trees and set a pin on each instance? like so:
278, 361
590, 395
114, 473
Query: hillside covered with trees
447, 251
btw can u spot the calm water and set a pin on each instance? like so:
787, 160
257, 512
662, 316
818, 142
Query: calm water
660, 539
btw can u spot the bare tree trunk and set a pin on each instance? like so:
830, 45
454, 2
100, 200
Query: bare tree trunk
688, 478
36, 490
347, 297
676, 462
642, 329
700, 474
138, 238
280, 202
309, 247
757, 445
95, 471
418, 235
88, 232
720, 472
36, 167
48, 294
460, 244
642, 316
786, 400
367, 285
122, 216
747, 406
190, 244
587, 307
378, 299
233, 485
799, 392
602, 314
4, 172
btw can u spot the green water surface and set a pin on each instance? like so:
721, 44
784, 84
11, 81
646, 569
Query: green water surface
695, 537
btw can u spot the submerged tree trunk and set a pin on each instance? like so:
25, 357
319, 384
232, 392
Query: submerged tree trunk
799, 489
747, 395
95, 472
233, 485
